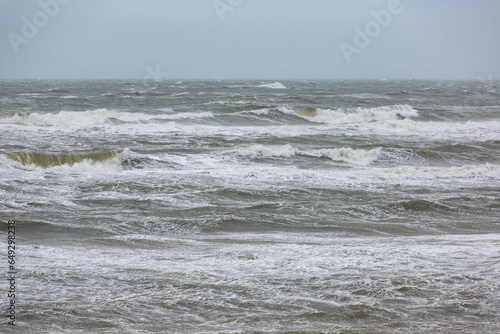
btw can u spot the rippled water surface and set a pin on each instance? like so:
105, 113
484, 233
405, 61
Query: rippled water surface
253, 207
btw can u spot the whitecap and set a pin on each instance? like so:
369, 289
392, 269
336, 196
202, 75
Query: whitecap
68, 121
73, 162
274, 85
345, 154
344, 115
357, 115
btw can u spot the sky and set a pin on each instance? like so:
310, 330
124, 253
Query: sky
250, 39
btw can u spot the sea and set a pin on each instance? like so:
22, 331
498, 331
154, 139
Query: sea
219, 206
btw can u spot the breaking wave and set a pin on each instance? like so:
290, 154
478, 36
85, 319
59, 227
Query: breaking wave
344, 116
76, 120
473, 128
398, 174
274, 85
345, 154
110, 160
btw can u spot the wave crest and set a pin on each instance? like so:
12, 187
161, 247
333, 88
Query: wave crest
343, 116
37, 160
344, 154
358, 115
90, 119
274, 85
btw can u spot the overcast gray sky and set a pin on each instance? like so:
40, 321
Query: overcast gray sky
250, 39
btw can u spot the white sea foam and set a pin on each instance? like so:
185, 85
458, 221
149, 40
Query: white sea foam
107, 162
274, 85
382, 120
343, 116
89, 166
169, 110
414, 172
186, 115
256, 151
396, 128
99, 118
400, 174
441, 129
357, 115
368, 96
346, 154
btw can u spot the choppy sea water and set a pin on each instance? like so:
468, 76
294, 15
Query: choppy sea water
252, 206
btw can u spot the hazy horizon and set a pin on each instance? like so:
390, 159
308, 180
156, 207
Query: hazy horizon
263, 80
249, 40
